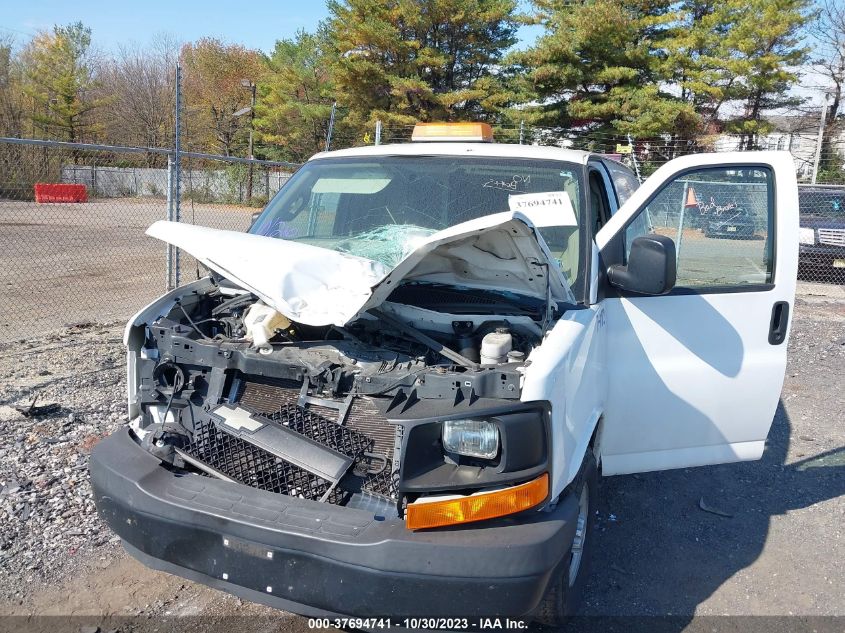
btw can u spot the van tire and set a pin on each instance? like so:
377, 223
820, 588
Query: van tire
563, 598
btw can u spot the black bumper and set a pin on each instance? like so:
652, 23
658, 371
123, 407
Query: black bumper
821, 256
319, 559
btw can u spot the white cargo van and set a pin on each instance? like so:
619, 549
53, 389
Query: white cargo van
393, 396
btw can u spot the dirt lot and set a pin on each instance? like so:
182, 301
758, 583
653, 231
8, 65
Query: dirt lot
778, 549
92, 260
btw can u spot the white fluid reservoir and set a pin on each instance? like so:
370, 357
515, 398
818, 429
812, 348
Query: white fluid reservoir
495, 347
261, 322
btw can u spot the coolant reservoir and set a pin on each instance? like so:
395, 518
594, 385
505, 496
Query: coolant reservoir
261, 322
495, 347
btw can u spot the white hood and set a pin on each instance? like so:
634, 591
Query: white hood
318, 286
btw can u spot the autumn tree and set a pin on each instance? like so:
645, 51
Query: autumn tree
404, 61
61, 79
214, 93
142, 80
295, 97
12, 115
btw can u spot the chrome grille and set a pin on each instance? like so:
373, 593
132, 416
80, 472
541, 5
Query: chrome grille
832, 237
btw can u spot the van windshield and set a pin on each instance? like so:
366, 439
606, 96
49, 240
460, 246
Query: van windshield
381, 207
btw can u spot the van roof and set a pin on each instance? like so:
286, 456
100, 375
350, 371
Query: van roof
507, 150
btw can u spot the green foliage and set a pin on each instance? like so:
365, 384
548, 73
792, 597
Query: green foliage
651, 67
403, 61
740, 52
762, 50
296, 98
597, 67
60, 79
668, 69
832, 171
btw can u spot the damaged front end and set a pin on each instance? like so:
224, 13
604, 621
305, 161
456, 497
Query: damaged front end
351, 416
413, 397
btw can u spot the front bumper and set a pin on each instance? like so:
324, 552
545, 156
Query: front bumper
317, 559
820, 256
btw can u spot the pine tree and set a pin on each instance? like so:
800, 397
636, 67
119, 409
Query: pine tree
404, 61
695, 58
598, 67
295, 98
762, 49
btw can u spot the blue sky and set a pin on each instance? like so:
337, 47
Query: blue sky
253, 24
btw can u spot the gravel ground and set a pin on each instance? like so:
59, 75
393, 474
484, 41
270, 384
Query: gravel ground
779, 552
47, 515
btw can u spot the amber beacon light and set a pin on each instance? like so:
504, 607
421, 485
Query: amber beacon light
483, 505
455, 132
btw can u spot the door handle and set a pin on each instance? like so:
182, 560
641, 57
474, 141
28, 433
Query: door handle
780, 319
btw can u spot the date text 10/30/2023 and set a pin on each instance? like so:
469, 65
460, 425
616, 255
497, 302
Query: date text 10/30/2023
430, 623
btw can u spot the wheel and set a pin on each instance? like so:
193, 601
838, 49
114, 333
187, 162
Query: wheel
566, 589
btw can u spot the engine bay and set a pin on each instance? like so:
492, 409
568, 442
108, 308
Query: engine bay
228, 387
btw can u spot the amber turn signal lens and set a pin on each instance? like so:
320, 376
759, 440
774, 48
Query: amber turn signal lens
477, 507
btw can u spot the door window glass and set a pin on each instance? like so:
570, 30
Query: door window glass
721, 220
624, 182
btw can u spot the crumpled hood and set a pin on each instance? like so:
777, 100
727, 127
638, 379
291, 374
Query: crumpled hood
317, 286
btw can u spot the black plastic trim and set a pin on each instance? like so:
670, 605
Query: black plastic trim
524, 453
319, 558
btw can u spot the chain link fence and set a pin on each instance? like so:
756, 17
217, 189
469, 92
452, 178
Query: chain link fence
64, 262
821, 250
74, 262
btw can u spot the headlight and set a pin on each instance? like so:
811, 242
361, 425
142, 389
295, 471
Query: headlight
473, 438
806, 236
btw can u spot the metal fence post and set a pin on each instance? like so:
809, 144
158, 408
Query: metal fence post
177, 171
634, 158
331, 127
169, 270
680, 237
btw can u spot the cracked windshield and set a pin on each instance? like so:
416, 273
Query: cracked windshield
382, 207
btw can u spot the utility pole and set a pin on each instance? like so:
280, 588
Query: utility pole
819, 141
521, 131
378, 132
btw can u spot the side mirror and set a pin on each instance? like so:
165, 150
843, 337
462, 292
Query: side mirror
254, 218
651, 266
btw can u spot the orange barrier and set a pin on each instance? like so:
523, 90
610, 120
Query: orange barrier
52, 192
